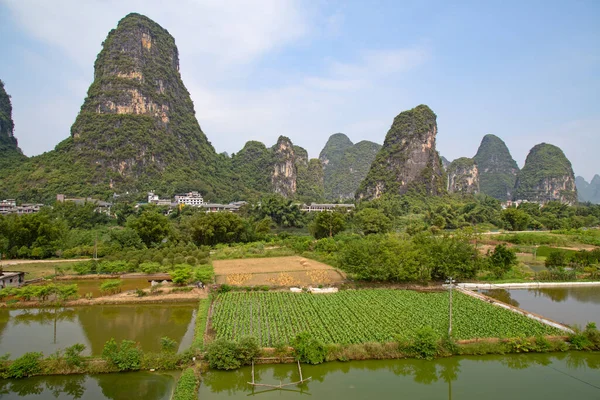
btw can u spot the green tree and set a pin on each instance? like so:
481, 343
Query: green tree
501, 260
371, 221
328, 224
515, 219
151, 226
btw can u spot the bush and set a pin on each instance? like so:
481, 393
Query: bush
126, 357
424, 343
309, 350
112, 286
182, 274
248, 349
222, 354
187, 385
167, 344
73, 355
26, 365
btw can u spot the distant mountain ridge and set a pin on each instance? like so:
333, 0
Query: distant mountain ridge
588, 192
345, 165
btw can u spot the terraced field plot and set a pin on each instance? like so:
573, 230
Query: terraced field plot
358, 316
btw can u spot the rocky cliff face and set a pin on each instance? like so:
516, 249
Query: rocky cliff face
463, 176
546, 176
136, 130
10, 153
408, 158
588, 192
138, 116
497, 169
285, 172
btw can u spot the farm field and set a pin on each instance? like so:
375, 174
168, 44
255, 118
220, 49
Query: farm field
358, 316
275, 271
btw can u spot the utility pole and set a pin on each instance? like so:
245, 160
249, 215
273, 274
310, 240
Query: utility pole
450, 281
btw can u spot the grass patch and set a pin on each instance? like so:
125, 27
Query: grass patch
533, 239
187, 386
201, 320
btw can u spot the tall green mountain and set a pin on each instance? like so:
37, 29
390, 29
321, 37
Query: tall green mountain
588, 192
463, 176
10, 153
345, 165
497, 169
546, 176
332, 153
136, 129
408, 158
253, 165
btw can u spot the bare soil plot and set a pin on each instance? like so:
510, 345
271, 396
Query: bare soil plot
275, 271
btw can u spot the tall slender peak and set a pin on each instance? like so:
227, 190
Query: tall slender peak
497, 169
138, 118
408, 158
463, 176
285, 171
136, 129
546, 176
9, 147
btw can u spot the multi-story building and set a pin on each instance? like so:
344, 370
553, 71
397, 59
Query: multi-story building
194, 199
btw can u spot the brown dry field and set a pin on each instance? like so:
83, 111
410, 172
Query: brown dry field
271, 264
275, 271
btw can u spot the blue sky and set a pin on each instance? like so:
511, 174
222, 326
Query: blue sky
526, 71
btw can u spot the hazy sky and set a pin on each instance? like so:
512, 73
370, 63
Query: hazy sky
526, 71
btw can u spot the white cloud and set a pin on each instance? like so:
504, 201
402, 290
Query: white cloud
221, 44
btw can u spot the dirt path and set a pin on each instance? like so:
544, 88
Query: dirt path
56, 261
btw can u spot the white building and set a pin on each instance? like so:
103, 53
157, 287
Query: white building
154, 199
193, 199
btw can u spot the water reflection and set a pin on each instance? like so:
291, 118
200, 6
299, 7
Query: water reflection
50, 329
568, 305
120, 386
465, 377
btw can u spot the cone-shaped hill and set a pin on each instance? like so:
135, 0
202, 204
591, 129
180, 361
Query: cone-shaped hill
136, 129
497, 169
546, 176
408, 158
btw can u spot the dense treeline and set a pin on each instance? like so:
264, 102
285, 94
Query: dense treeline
408, 238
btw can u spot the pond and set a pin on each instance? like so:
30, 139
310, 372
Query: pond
92, 286
122, 386
518, 376
50, 329
568, 305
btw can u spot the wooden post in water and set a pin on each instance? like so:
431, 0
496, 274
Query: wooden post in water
300, 370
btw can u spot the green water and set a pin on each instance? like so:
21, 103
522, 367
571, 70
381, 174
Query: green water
568, 305
50, 329
123, 386
527, 376
92, 286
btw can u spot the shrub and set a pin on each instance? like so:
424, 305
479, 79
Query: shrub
167, 344
73, 355
309, 350
182, 274
26, 365
424, 343
126, 356
222, 354
248, 349
224, 288
112, 286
